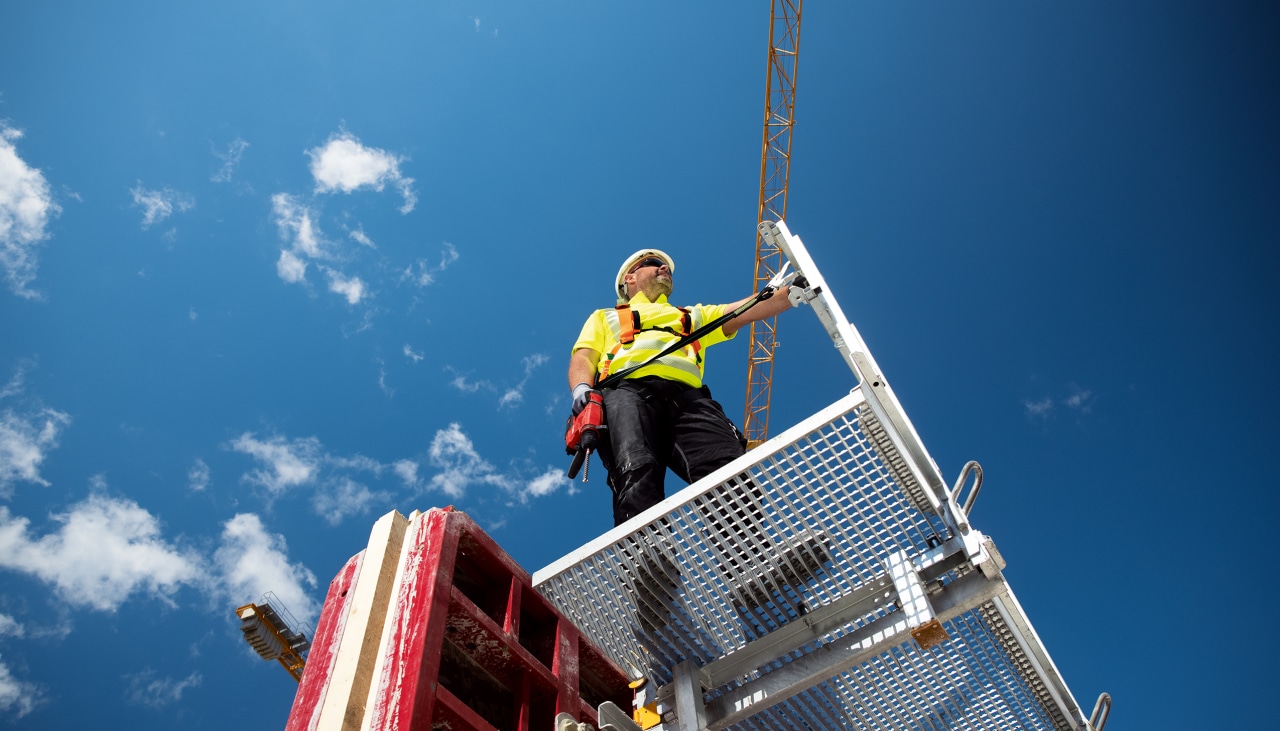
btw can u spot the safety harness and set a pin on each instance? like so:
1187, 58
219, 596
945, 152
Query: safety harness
629, 324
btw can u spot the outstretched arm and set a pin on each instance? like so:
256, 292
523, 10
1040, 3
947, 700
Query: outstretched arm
761, 311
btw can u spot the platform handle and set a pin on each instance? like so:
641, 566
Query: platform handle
1102, 709
976, 469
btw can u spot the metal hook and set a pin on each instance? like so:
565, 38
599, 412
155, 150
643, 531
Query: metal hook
976, 469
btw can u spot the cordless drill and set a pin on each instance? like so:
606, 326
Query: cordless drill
582, 433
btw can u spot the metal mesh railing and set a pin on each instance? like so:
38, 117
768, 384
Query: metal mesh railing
801, 522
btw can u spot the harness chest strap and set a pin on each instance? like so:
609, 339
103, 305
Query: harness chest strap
629, 324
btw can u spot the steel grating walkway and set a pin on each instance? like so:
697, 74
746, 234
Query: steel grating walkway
799, 586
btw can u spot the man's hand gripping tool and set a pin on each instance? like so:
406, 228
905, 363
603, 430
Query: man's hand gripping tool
583, 433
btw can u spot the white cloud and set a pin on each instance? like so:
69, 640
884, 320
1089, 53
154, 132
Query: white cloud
26, 205
25, 440
198, 476
407, 469
343, 498
344, 165
423, 274
290, 268
382, 380
1081, 399
14, 386
230, 160
287, 463
290, 463
251, 562
296, 224
461, 383
17, 697
515, 394
146, 689
1038, 409
10, 627
361, 237
157, 205
545, 484
412, 354
192, 314
460, 465
350, 287
104, 551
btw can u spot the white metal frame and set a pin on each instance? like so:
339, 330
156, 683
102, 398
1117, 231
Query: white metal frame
827, 579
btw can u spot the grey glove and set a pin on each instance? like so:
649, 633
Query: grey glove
581, 393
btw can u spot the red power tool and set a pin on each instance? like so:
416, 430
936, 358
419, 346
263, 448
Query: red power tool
582, 433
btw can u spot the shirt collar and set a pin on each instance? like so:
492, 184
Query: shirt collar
640, 298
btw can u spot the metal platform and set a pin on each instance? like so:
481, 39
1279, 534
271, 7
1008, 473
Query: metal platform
827, 579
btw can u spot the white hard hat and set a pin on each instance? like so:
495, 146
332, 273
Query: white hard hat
620, 286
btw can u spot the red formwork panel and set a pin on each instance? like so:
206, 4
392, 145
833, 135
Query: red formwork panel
324, 648
469, 645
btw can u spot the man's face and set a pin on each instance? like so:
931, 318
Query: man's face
650, 276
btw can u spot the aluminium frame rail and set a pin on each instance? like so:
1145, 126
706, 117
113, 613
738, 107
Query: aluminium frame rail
826, 579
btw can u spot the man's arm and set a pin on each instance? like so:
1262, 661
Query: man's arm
582, 366
761, 311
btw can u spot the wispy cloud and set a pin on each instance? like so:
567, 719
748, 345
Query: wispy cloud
361, 237
294, 463
104, 550
286, 463
26, 205
343, 497
514, 395
10, 627
352, 288
407, 469
296, 224
511, 396
1079, 400
1038, 409
459, 465
18, 697
462, 382
290, 267
230, 160
157, 205
25, 440
345, 165
387, 390
27, 435
145, 689
423, 273
411, 354
198, 476
545, 484
252, 561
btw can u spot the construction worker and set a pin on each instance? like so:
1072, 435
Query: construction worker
661, 415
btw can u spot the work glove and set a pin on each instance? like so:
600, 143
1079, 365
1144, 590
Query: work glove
581, 393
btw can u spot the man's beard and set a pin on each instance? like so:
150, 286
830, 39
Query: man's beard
658, 287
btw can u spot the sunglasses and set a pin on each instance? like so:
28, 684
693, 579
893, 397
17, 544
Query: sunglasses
651, 261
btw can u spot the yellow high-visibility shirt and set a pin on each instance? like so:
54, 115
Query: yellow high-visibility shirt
603, 334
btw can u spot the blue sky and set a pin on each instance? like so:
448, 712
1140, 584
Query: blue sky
271, 270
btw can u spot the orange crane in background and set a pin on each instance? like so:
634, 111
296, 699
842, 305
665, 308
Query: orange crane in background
775, 170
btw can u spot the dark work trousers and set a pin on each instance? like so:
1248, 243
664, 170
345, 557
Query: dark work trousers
654, 424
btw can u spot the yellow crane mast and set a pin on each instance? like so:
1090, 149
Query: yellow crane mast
775, 170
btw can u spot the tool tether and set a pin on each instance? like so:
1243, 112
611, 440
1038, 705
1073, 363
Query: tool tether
614, 378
